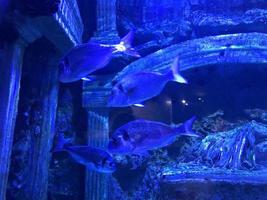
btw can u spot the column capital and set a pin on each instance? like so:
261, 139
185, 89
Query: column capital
106, 22
106, 36
26, 28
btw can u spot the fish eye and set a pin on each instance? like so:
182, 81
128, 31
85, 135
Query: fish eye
114, 140
104, 161
125, 136
114, 82
66, 62
120, 87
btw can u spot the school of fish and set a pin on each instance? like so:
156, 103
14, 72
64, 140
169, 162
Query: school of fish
136, 137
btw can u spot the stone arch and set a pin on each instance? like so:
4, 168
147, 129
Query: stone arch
250, 48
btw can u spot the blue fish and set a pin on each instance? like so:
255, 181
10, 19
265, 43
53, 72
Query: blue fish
93, 158
85, 59
138, 87
139, 136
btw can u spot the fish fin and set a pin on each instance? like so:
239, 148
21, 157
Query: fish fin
187, 126
134, 166
175, 73
61, 142
139, 105
140, 153
169, 141
132, 52
128, 39
89, 79
125, 45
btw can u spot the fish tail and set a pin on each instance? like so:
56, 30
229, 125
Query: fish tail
125, 45
174, 73
187, 126
60, 143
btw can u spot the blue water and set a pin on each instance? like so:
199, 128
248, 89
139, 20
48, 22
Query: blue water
221, 48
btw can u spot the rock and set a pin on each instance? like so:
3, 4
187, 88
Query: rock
227, 5
257, 114
261, 153
151, 37
234, 149
205, 24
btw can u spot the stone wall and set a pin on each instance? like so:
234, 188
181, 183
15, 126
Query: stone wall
149, 11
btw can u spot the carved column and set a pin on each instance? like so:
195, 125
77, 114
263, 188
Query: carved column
37, 183
10, 75
106, 21
96, 187
94, 100
39, 130
35, 124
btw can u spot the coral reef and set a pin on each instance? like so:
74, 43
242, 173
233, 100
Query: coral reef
231, 153
204, 24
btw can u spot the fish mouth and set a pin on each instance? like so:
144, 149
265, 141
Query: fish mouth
111, 149
113, 168
109, 170
109, 104
110, 101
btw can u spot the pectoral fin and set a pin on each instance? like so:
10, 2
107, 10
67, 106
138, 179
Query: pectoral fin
139, 105
89, 79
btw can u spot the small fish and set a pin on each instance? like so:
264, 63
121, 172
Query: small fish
87, 58
93, 158
139, 136
138, 87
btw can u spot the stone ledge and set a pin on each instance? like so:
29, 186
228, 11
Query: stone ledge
204, 24
64, 29
199, 174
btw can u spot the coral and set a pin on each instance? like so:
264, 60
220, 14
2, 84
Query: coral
257, 114
213, 123
233, 149
230, 153
148, 186
204, 23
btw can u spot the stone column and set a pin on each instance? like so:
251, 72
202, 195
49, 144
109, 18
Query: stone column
37, 184
94, 100
10, 75
96, 187
106, 22
35, 126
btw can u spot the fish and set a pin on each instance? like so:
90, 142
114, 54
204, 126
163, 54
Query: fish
94, 159
87, 58
136, 88
140, 136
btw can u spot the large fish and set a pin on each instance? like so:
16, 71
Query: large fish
139, 136
93, 158
84, 59
138, 87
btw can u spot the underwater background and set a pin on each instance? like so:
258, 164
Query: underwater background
48, 46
